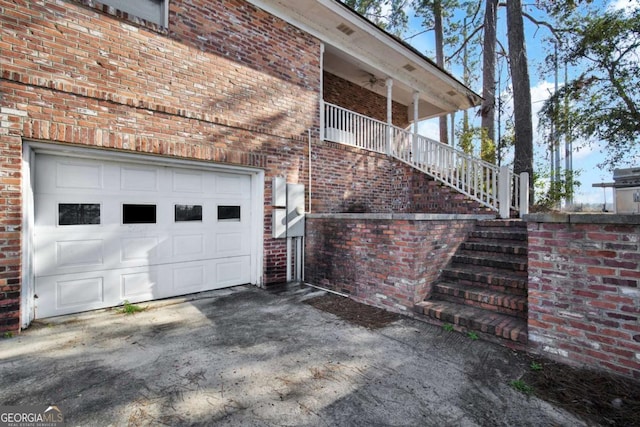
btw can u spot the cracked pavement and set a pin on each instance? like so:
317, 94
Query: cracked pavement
247, 357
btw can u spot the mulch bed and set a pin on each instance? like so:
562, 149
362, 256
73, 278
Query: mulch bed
597, 397
606, 399
354, 312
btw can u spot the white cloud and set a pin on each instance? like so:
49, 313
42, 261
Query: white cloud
430, 128
626, 5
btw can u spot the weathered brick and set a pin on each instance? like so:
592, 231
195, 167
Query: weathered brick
605, 297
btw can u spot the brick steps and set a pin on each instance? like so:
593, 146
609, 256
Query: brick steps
475, 319
501, 302
518, 235
484, 287
479, 257
506, 247
489, 277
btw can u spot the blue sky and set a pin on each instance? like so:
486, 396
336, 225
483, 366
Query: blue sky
586, 159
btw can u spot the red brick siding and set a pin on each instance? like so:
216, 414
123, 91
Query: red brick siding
346, 179
10, 224
345, 94
584, 299
382, 262
71, 74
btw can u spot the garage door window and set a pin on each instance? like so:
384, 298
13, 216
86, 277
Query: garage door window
78, 213
138, 214
228, 213
184, 213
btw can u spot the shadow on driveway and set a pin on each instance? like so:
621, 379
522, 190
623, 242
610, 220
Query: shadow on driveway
244, 356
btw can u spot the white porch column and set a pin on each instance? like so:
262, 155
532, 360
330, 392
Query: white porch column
389, 113
414, 150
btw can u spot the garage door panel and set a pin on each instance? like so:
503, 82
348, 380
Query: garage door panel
189, 278
71, 293
189, 245
93, 259
133, 178
138, 249
79, 292
75, 253
232, 271
140, 286
238, 185
188, 182
78, 175
231, 244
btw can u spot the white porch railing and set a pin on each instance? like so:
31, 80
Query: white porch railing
497, 188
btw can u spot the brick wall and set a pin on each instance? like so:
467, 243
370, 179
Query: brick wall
225, 83
584, 299
347, 95
388, 261
71, 74
346, 179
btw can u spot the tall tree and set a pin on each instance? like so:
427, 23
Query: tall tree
523, 126
439, 36
387, 14
488, 107
605, 97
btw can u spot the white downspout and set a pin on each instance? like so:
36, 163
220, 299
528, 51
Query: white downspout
309, 136
389, 113
321, 124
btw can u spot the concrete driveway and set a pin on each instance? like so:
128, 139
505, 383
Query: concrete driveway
247, 357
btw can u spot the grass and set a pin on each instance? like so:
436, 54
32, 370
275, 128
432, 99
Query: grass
535, 366
128, 308
522, 387
473, 335
7, 335
447, 327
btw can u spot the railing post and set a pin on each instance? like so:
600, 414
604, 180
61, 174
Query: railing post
504, 192
323, 128
524, 194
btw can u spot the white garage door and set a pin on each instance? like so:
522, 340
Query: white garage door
110, 231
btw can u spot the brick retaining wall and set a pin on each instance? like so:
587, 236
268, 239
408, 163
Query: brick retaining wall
584, 299
384, 260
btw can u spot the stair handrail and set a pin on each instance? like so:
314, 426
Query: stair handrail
497, 188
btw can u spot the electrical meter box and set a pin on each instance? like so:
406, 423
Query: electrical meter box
288, 211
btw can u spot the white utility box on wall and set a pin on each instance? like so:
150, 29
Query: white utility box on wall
288, 211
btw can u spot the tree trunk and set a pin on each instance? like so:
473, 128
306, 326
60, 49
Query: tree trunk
439, 33
523, 155
488, 107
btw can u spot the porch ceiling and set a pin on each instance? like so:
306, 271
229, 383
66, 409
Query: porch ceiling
358, 51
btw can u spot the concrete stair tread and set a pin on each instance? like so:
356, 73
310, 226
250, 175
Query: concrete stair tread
475, 319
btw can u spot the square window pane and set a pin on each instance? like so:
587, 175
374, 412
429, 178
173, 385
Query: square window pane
138, 214
78, 213
228, 213
188, 213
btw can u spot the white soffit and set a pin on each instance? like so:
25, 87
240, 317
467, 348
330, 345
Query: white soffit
345, 32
